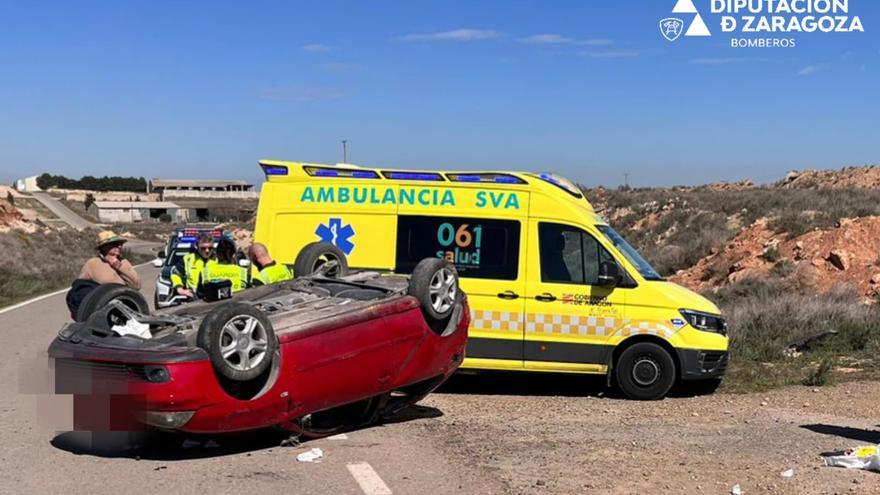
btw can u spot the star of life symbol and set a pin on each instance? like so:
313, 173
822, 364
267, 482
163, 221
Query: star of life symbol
671, 27
336, 233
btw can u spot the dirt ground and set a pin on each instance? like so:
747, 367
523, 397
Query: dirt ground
560, 434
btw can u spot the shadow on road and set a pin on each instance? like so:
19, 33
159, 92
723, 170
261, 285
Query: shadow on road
545, 384
537, 384
160, 446
858, 434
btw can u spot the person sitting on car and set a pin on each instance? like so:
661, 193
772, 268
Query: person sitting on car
225, 267
108, 267
269, 271
186, 275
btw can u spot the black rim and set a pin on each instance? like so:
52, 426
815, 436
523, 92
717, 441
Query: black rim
646, 371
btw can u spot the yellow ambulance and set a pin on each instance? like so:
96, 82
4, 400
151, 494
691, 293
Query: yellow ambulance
551, 286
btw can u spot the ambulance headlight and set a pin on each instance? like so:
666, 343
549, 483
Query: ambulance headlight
706, 322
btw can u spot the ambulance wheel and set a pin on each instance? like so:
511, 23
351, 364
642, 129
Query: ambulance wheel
434, 282
316, 254
645, 371
239, 339
101, 296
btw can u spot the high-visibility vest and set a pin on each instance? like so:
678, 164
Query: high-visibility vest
193, 264
214, 270
274, 273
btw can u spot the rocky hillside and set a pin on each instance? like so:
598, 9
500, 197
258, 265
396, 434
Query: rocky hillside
816, 229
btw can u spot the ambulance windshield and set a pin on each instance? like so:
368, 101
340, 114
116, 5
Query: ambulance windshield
630, 253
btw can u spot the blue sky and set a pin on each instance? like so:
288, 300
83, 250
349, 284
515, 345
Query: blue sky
588, 89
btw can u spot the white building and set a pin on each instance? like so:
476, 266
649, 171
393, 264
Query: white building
202, 189
136, 211
28, 184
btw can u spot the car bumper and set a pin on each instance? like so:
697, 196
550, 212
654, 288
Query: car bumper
699, 365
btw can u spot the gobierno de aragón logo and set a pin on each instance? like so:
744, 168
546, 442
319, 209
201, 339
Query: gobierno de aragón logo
764, 23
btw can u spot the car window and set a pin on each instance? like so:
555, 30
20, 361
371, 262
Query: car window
569, 255
478, 247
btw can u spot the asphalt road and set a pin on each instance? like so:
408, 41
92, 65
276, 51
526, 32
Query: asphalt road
62, 211
541, 434
36, 459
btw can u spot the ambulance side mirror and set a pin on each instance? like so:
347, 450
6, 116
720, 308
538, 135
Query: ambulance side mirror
609, 274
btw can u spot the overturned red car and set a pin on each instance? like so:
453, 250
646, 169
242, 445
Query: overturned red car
314, 355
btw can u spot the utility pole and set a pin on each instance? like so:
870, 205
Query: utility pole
344, 151
626, 180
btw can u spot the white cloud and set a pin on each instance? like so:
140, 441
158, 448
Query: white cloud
454, 35
543, 39
810, 70
613, 54
595, 42
316, 48
556, 39
300, 93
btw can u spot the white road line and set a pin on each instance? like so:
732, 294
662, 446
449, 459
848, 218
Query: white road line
366, 477
46, 296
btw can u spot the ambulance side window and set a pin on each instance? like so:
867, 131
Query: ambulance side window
478, 247
569, 255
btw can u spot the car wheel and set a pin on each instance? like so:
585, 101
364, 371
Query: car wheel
645, 371
103, 294
434, 282
315, 255
239, 339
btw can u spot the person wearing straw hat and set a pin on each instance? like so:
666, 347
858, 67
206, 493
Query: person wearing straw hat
109, 267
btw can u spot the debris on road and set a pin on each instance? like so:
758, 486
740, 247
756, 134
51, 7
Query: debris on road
736, 490
788, 473
864, 457
313, 455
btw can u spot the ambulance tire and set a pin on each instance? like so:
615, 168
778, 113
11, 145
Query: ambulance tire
101, 296
645, 371
434, 282
310, 259
227, 325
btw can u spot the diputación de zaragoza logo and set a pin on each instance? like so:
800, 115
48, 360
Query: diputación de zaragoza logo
767, 23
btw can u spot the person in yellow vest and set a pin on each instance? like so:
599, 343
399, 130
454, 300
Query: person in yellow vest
268, 271
186, 275
224, 266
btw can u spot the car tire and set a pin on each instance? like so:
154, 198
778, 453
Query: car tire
645, 371
244, 334
101, 296
434, 282
310, 259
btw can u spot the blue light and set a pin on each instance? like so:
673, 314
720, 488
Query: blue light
412, 176
507, 179
273, 170
467, 178
364, 175
326, 173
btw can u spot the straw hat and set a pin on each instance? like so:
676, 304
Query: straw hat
109, 237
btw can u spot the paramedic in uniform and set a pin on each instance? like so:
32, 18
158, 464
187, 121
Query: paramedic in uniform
186, 276
224, 267
270, 272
